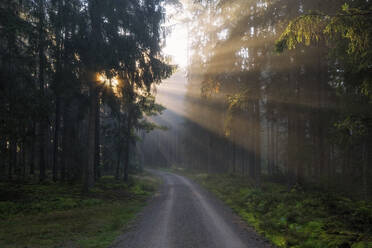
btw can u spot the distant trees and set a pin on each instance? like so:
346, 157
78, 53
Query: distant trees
58, 60
301, 116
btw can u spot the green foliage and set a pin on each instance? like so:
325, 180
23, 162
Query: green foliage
295, 218
348, 35
55, 215
303, 30
54, 55
351, 26
236, 104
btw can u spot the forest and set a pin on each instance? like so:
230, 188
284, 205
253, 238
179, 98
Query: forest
76, 80
76, 83
277, 117
279, 89
272, 115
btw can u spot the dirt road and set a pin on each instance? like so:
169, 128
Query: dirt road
183, 215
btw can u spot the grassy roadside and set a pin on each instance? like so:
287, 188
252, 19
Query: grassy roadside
56, 215
293, 218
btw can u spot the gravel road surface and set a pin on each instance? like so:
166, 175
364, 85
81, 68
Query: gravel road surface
183, 215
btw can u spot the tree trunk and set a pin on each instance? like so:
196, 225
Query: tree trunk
251, 141
276, 148
23, 160
233, 153
269, 146
97, 151
272, 140
117, 174
257, 142
32, 155
59, 46
127, 146
65, 143
3, 159
88, 173
12, 157
42, 126
365, 170
126, 161
56, 138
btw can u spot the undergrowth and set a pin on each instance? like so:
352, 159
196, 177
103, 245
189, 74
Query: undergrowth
295, 217
57, 215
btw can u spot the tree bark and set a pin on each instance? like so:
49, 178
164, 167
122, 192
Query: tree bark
12, 158
88, 173
233, 152
126, 161
117, 174
56, 138
257, 142
127, 146
251, 142
32, 151
42, 126
97, 152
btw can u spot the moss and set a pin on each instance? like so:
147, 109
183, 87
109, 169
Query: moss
58, 216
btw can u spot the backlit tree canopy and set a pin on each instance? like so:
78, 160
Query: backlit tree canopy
58, 62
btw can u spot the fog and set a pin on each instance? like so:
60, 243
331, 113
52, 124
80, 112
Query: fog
247, 108
162, 147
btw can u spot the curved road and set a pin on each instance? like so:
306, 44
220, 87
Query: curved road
183, 215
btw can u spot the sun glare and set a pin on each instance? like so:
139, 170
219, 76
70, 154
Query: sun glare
177, 40
109, 82
114, 82
101, 78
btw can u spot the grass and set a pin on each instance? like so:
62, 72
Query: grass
296, 217
56, 215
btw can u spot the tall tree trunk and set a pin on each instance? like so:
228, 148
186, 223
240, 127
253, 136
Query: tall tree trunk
42, 125
127, 146
365, 170
291, 129
66, 141
300, 137
300, 177
276, 148
59, 47
97, 151
64, 153
32, 151
251, 141
12, 157
23, 159
56, 138
257, 142
3, 159
320, 122
88, 173
117, 174
269, 146
272, 141
117, 171
126, 160
233, 151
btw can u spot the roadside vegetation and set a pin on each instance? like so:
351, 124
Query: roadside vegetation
293, 217
58, 215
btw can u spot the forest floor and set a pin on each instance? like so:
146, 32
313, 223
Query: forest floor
57, 215
293, 217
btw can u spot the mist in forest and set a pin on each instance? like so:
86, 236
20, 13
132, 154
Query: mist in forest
265, 99
142, 113
163, 147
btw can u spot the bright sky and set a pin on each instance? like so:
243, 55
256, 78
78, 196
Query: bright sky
177, 40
